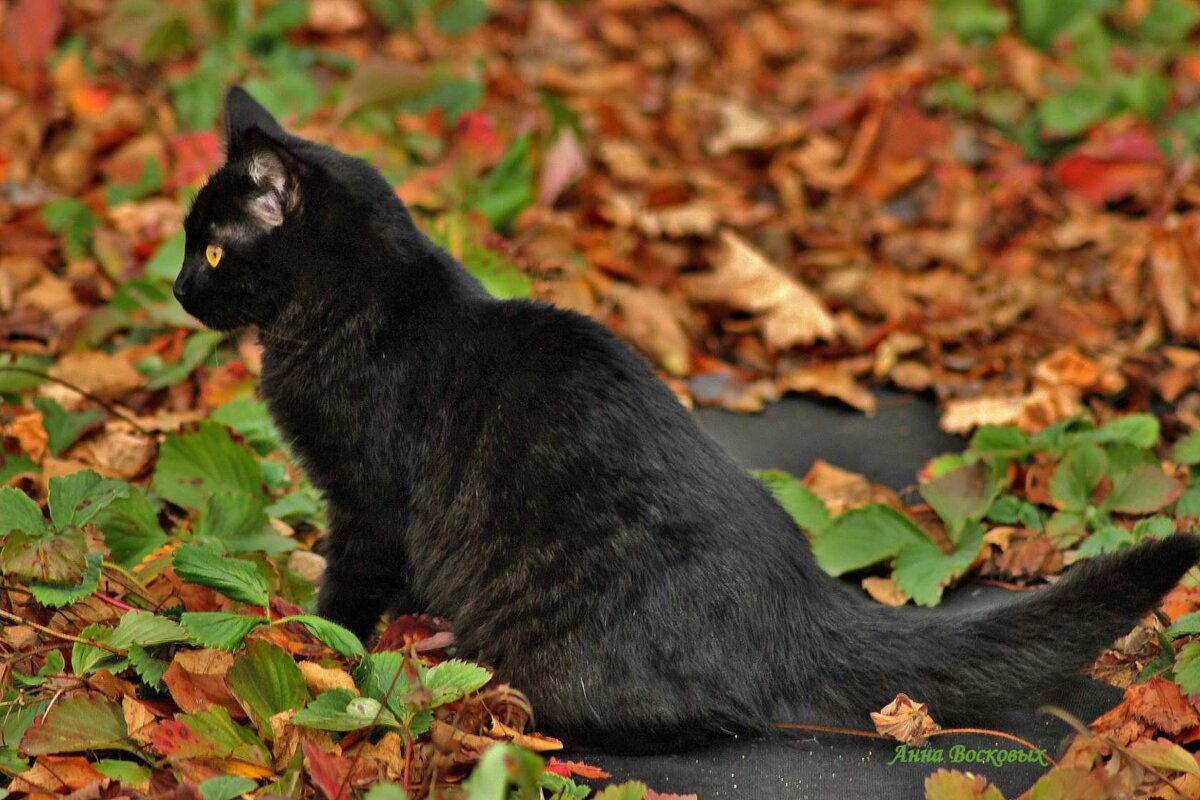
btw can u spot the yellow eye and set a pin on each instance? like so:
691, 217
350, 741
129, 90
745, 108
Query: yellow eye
213, 253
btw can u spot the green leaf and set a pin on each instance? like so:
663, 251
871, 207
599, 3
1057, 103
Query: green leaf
196, 350
970, 20
63, 429
148, 668
126, 772
1144, 93
250, 419
505, 763
460, 17
1186, 451
195, 465
1077, 476
18, 718
1141, 430
57, 595
57, 558
508, 188
149, 182
239, 521
1090, 46
805, 507
280, 18
1010, 510
1142, 490
79, 724
630, 790
450, 680
1168, 21
333, 635
219, 629
164, 265
1040, 21
1071, 112
341, 710
71, 218
1187, 625
864, 536
1156, 527
266, 680
226, 787
210, 734
76, 498
1189, 503
922, 570
18, 512
1108, 539
236, 579
962, 496
1000, 441
130, 527
135, 629
1187, 668
386, 791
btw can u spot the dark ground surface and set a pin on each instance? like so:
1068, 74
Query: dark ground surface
888, 449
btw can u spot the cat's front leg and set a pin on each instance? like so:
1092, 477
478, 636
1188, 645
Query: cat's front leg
363, 578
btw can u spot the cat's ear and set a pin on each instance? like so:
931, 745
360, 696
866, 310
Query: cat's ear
276, 176
242, 115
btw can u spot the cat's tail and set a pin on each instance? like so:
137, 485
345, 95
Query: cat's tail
971, 665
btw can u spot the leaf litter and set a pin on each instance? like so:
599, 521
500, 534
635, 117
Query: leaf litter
977, 199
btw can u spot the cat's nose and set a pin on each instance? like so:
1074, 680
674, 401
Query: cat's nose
180, 289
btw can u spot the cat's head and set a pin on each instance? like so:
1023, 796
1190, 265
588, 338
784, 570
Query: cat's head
276, 222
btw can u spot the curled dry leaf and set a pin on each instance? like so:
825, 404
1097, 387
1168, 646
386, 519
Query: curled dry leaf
1043, 406
319, 679
905, 720
828, 380
121, 453
743, 278
655, 323
196, 681
843, 490
59, 775
29, 432
530, 741
885, 590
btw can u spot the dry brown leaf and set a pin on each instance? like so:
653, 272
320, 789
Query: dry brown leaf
196, 680
120, 453
842, 490
139, 719
1030, 412
743, 278
829, 380
29, 432
320, 679
905, 720
530, 741
98, 373
1161, 703
885, 590
654, 322
58, 775
286, 738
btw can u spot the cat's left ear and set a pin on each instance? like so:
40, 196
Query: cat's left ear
276, 176
242, 115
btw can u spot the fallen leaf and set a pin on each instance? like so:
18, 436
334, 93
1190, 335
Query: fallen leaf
905, 720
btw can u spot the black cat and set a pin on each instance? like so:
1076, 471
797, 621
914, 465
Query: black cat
517, 469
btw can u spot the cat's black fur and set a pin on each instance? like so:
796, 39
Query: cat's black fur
517, 469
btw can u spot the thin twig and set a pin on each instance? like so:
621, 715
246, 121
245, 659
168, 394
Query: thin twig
795, 726
65, 636
109, 407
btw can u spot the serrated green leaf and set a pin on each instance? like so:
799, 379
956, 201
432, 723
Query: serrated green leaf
79, 724
226, 787
864, 536
211, 734
130, 527
339, 639
1187, 449
1187, 625
1000, 441
76, 498
135, 629
1142, 490
63, 429
218, 629
195, 465
341, 710
236, 579
1141, 430
265, 680
802, 504
1040, 21
149, 668
196, 350
240, 522
18, 512
961, 496
1071, 112
57, 595
251, 420
450, 680
53, 558
1077, 476
923, 571
1108, 539
1187, 668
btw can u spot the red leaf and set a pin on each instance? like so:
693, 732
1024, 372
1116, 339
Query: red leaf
329, 772
31, 29
196, 156
1113, 169
566, 769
